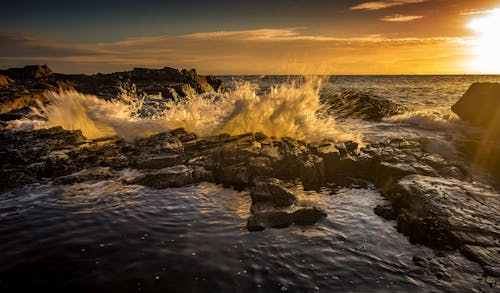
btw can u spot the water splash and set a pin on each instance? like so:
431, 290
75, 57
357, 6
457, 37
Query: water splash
290, 109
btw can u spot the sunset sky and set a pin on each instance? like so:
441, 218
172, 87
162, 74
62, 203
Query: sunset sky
254, 37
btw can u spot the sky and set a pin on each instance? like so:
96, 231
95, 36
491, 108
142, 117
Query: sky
254, 37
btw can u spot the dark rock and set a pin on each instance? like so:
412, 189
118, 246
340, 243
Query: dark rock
254, 225
159, 162
28, 72
97, 173
448, 213
351, 104
308, 216
176, 176
272, 219
233, 175
271, 190
385, 211
480, 105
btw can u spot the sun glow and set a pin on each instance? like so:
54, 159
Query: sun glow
487, 43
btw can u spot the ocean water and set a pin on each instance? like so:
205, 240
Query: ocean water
105, 236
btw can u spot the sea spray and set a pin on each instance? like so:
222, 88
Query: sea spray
290, 109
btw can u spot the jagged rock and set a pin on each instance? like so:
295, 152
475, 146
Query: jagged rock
351, 104
449, 213
159, 162
480, 105
271, 190
32, 81
234, 175
176, 176
28, 72
308, 216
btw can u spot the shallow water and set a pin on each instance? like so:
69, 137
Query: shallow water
104, 236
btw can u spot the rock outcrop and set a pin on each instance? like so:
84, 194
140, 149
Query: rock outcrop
28, 72
21, 88
352, 104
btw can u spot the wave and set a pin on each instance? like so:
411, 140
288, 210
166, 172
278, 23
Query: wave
427, 120
289, 109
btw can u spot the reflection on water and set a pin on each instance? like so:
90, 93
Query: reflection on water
106, 235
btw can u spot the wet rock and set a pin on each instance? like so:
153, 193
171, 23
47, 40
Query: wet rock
448, 213
254, 225
91, 174
271, 218
176, 176
233, 175
159, 162
308, 216
351, 104
260, 166
271, 190
385, 211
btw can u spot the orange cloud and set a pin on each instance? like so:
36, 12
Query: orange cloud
401, 18
377, 5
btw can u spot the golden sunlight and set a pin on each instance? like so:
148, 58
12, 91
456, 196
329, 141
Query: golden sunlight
487, 44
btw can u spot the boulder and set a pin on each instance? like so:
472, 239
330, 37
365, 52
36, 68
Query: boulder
480, 105
271, 190
308, 216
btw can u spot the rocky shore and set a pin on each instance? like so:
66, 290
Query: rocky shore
21, 88
434, 201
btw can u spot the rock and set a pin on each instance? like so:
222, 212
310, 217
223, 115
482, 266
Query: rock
480, 105
272, 219
448, 213
260, 166
233, 175
350, 104
159, 162
169, 82
254, 225
308, 216
271, 190
5, 81
385, 211
28, 72
97, 173
176, 176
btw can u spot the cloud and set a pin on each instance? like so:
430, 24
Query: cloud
377, 5
477, 11
259, 51
401, 18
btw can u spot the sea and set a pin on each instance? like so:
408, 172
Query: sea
109, 237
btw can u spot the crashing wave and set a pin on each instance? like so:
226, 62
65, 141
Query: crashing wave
291, 109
